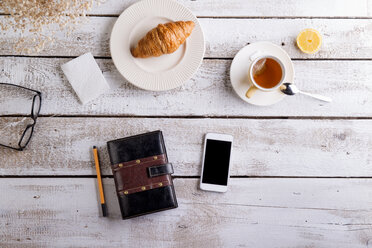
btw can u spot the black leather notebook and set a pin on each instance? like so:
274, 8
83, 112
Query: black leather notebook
142, 174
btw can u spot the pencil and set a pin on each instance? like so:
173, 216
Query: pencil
99, 181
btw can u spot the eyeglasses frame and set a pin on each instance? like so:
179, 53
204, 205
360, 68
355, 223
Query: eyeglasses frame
33, 116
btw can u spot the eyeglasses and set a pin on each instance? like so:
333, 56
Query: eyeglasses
35, 110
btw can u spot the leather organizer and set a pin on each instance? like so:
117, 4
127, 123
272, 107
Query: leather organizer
142, 174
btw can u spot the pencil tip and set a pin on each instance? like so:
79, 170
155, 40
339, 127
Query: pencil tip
104, 210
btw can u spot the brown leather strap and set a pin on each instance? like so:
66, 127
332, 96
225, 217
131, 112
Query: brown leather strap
141, 161
145, 187
132, 176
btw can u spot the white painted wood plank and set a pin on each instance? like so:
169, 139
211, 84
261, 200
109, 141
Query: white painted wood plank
64, 212
261, 8
257, 8
339, 36
208, 93
268, 147
342, 38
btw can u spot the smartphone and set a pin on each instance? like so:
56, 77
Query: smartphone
216, 162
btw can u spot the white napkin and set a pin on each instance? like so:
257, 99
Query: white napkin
85, 77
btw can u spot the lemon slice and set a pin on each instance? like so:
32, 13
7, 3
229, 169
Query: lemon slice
309, 40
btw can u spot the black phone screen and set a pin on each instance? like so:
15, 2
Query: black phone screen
216, 162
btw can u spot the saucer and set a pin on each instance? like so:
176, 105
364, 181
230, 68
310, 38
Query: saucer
240, 67
156, 73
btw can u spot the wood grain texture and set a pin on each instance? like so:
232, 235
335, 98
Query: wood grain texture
342, 38
259, 8
255, 212
276, 147
208, 93
64, 212
256, 8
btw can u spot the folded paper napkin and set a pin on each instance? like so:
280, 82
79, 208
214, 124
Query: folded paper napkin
85, 77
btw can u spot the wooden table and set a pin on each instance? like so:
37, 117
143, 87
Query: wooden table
302, 169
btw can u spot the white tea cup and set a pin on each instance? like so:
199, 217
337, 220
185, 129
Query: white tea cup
266, 68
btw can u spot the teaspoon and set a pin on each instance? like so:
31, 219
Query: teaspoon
291, 89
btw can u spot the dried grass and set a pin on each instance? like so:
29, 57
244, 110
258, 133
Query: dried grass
39, 20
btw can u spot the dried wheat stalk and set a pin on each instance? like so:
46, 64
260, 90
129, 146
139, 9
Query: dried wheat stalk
38, 20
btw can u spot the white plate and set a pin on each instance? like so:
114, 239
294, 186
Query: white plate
240, 67
157, 73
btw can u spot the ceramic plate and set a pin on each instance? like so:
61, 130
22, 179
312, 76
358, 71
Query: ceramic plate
157, 73
240, 67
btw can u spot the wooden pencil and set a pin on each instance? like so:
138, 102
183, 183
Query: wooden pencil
99, 181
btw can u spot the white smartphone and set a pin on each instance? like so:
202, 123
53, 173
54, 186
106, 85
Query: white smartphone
216, 162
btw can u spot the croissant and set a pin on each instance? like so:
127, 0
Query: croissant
164, 39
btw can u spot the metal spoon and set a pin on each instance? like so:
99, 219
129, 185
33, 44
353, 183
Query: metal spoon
291, 89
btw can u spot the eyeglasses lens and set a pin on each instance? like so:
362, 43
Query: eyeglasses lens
27, 136
14, 100
36, 106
